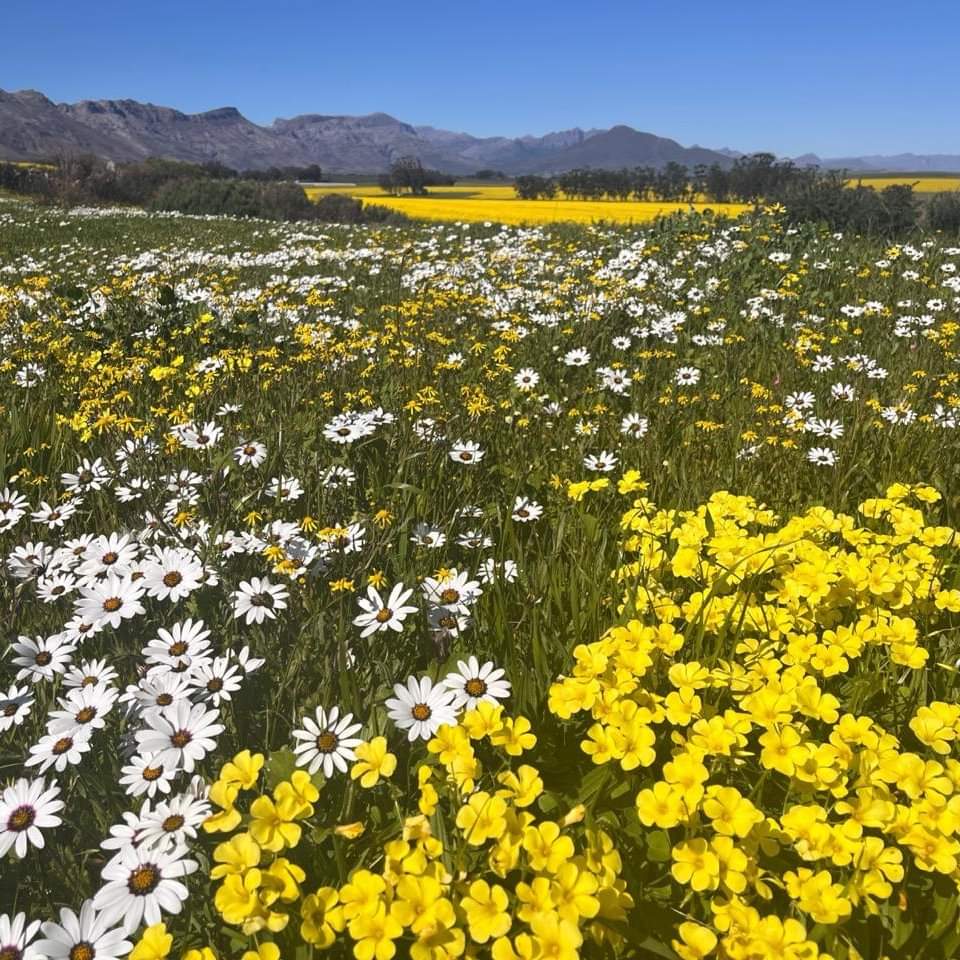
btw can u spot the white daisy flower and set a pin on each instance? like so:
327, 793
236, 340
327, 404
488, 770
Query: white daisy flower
602, 462
173, 822
526, 510
422, 707
466, 452
89, 476
250, 453
114, 554
180, 646
258, 599
822, 456
145, 774
15, 707
87, 937
59, 750
53, 516
52, 588
112, 600
526, 378
425, 535
181, 734
475, 684
142, 884
15, 937
201, 438
287, 489
379, 614
633, 425
42, 658
455, 592
84, 708
216, 681
90, 673
27, 807
327, 742
172, 574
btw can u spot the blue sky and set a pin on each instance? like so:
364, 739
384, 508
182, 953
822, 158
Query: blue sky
835, 78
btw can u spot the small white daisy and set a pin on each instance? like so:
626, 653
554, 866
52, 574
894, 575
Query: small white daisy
379, 614
327, 742
87, 937
142, 884
475, 684
27, 807
422, 707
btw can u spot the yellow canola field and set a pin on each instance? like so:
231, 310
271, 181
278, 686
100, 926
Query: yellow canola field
919, 184
546, 211
499, 204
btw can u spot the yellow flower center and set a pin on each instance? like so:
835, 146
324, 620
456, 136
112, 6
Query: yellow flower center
327, 742
421, 712
145, 879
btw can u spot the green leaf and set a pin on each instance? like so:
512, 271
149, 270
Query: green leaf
546, 803
591, 526
593, 783
659, 846
279, 767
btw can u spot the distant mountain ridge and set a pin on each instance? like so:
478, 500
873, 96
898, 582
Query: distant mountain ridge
892, 163
33, 127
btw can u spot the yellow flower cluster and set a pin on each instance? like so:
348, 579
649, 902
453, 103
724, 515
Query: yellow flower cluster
765, 698
473, 872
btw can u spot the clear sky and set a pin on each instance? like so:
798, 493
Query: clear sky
836, 78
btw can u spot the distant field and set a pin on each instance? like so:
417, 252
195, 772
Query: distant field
498, 203
920, 183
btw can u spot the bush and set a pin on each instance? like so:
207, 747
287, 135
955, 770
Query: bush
238, 198
336, 208
891, 212
943, 212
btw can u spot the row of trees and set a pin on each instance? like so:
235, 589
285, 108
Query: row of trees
85, 177
748, 179
409, 175
808, 194
186, 187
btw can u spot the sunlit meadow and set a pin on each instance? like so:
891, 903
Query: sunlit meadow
470, 590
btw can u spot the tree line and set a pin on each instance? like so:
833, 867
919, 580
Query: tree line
209, 188
808, 194
747, 180
409, 175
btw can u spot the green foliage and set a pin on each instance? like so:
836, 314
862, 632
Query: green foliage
943, 212
235, 198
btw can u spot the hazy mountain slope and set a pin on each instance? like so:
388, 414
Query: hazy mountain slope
622, 146
32, 127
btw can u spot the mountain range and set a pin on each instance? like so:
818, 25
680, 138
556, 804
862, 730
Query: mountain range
32, 127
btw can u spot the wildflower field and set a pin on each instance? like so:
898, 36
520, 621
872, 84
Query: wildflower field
464, 590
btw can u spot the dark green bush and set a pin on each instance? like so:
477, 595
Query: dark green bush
943, 212
891, 212
236, 198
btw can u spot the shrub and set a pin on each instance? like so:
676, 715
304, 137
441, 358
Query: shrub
943, 212
239, 198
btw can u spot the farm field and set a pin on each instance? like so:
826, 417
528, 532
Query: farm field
920, 182
464, 590
498, 203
